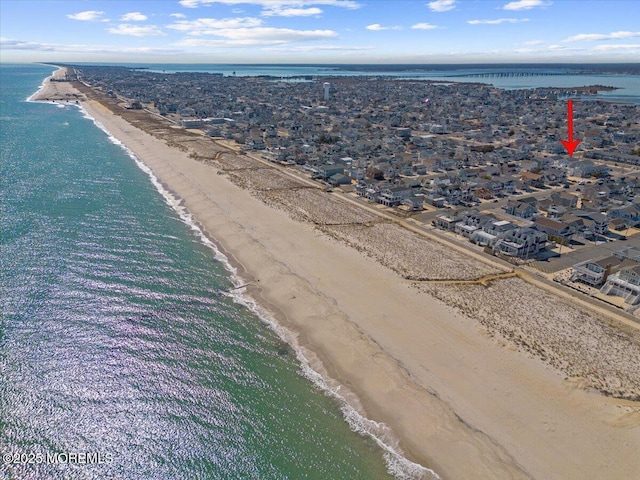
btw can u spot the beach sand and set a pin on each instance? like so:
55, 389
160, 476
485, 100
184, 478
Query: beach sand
459, 396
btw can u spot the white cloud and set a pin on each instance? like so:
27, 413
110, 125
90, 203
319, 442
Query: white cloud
607, 48
271, 4
10, 44
133, 17
442, 5
240, 37
241, 31
88, 16
582, 37
177, 15
424, 26
497, 21
313, 48
136, 30
376, 27
208, 43
291, 12
209, 26
526, 4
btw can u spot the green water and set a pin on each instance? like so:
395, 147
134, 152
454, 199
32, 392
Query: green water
118, 336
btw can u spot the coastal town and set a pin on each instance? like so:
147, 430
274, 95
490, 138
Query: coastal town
483, 164
353, 268
320, 239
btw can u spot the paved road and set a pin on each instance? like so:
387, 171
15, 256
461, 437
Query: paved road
588, 252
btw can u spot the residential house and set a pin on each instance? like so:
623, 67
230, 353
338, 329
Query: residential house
416, 202
595, 222
554, 176
586, 168
483, 193
447, 221
554, 228
472, 220
480, 237
446, 164
565, 199
553, 210
508, 184
327, 171
529, 180
339, 179
618, 224
192, 122
392, 196
629, 213
615, 156
495, 186
491, 231
476, 219
357, 173
520, 209
434, 199
626, 284
629, 253
592, 272
529, 165
596, 192
521, 242
420, 169
498, 227
368, 189
577, 224
594, 138
254, 143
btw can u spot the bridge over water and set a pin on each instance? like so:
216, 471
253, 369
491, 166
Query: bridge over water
515, 74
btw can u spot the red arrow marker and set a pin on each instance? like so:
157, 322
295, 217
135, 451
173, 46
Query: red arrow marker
570, 144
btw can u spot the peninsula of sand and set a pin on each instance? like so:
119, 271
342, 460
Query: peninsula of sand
479, 371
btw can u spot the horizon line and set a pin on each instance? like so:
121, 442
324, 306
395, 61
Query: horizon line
325, 64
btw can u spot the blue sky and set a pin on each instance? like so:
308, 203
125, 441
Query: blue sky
320, 31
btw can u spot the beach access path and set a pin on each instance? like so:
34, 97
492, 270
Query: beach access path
456, 399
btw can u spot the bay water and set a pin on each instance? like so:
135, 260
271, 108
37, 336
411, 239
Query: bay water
504, 76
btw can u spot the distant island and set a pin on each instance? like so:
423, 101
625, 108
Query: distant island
560, 68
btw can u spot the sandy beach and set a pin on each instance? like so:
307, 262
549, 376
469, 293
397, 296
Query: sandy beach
472, 380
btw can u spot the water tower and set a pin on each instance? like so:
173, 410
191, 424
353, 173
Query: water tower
325, 87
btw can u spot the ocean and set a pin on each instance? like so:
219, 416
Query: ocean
125, 351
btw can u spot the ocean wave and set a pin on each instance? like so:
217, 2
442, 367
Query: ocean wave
311, 368
42, 85
40, 88
397, 464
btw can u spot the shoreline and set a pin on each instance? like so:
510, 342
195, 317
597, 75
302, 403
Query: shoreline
412, 361
249, 296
